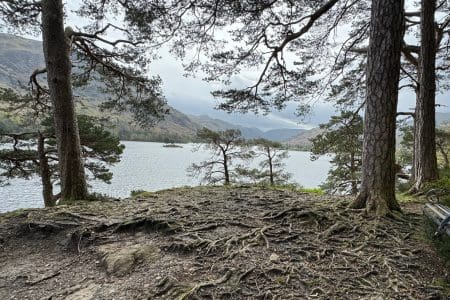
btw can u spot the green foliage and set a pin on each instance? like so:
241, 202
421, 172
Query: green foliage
98, 197
226, 148
316, 191
443, 146
141, 193
294, 187
271, 165
342, 140
443, 183
135, 193
404, 197
100, 147
405, 151
119, 67
19, 156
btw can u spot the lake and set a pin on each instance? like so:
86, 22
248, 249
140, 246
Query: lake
151, 167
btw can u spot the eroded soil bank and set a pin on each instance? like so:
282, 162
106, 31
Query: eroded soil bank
216, 243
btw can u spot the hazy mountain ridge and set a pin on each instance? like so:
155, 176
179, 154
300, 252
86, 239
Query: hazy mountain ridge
442, 118
303, 140
19, 57
279, 135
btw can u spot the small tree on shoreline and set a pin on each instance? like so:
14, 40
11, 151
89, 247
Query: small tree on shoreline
26, 154
226, 147
271, 166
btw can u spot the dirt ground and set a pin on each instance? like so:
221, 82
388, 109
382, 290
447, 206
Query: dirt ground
217, 243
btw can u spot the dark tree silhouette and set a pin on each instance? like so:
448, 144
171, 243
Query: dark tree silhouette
226, 147
342, 139
34, 153
425, 161
271, 165
377, 193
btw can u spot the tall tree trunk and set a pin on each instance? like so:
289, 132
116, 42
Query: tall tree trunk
412, 179
425, 161
272, 181
377, 193
47, 187
353, 170
57, 60
226, 172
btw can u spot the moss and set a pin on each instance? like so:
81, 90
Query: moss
13, 214
443, 283
316, 191
443, 184
405, 198
281, 280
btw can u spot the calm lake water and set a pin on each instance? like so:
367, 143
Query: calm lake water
151, 167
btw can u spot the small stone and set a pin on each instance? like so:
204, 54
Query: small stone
121, 261
274, 257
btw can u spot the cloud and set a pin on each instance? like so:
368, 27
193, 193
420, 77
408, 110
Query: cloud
192, 95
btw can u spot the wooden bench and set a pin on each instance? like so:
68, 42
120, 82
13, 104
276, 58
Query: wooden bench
440, 215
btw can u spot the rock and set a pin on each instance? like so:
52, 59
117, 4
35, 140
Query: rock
120, 261
274, 257
86, 293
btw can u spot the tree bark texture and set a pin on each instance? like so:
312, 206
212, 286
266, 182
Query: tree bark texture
47, 187
270, 157
425, 161
57, 59
377, 193
226, 173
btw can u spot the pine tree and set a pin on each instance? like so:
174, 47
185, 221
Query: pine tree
271, 165
26, 154
226, 148
342, 139
120, 64
377, 193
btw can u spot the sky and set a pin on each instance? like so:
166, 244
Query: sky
191, 95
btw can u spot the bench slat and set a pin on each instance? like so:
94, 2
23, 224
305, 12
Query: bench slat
437, 213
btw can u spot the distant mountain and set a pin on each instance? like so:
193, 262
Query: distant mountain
279, 135
19, 57
303, 140
283, 135
442, 118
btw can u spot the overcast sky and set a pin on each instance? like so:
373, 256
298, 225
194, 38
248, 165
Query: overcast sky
191, 95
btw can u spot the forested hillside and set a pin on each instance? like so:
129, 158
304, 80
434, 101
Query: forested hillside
19, 57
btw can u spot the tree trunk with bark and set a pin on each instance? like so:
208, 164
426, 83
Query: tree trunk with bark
270, 157
57, 59
377, 193
226, 173
353, 170
425, 161
47, 187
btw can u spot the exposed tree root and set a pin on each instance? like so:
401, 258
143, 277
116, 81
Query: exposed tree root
223, 243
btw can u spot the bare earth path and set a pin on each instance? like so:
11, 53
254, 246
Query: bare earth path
216, 243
